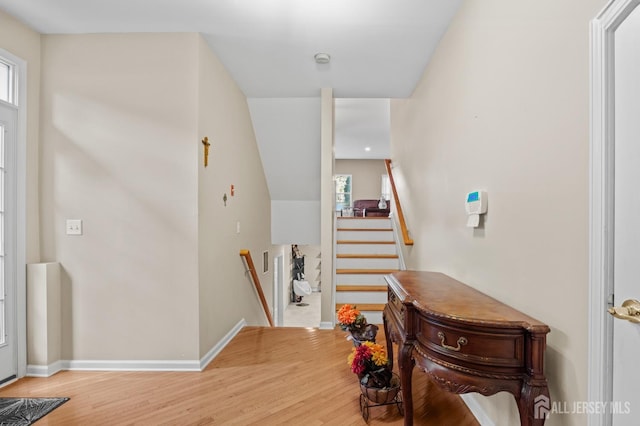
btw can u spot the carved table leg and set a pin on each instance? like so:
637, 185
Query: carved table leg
387, 336
534, 404
405, 364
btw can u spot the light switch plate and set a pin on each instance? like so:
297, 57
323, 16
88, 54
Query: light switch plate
74, 226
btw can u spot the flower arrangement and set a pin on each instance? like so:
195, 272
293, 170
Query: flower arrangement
350, 318
370, 362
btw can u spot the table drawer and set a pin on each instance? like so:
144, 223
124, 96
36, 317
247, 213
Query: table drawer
396, 306
485, 347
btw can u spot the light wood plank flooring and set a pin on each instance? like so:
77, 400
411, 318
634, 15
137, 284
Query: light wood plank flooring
265, 376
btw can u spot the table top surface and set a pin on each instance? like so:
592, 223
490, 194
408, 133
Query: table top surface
439, 295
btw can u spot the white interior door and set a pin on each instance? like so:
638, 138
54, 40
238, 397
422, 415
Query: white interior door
625, 407
8, 328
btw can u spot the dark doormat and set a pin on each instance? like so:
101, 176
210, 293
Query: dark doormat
25, 411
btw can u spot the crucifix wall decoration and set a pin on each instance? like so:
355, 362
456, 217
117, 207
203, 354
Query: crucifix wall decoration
206, 144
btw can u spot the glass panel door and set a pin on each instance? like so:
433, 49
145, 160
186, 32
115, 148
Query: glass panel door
8, 348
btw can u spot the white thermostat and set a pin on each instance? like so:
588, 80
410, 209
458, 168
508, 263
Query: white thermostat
476, 204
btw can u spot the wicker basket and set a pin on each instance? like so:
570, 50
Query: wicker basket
382, 395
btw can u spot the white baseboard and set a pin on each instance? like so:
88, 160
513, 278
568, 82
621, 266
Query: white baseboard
326, 325
215, 350
136, 365
132, 365
476, 409
44, 370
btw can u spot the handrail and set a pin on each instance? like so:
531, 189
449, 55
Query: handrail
256, 281
403, 225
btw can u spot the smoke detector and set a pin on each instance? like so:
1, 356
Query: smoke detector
322, 58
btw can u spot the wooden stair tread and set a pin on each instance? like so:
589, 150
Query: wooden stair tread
366, 229
366, 256
364, 306
364, 217
373, 291
366, 271
363, 242
351, 287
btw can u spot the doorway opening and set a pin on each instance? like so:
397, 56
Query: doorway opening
303, 309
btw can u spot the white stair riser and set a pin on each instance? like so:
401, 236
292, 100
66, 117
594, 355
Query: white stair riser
365, 297
365, 236
373, 317
383, 223
370, 279
360, 285
368, 263
356, 297
366, 248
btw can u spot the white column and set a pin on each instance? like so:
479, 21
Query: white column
44, 318
326, 208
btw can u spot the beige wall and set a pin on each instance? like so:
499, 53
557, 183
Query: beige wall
23, 42
123, 117
366, 176
119, 148
504, 106
226, 292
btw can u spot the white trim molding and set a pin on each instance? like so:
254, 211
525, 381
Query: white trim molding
45, 370
601, 203
326, 325
218, 347
396, 238
137, 365
21, 212
131, 365
113, 365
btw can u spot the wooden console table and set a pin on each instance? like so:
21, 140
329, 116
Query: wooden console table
465, 340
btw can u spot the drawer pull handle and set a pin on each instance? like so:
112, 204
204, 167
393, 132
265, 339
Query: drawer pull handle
461, 342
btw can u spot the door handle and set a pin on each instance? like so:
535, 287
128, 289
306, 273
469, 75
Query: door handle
630, 311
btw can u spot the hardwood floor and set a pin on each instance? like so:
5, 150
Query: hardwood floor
265, 376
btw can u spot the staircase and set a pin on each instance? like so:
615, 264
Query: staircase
365, 253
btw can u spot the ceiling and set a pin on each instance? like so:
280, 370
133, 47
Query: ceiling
362, 128
378, 48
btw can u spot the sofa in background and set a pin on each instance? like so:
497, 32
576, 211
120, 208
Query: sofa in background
369, 208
